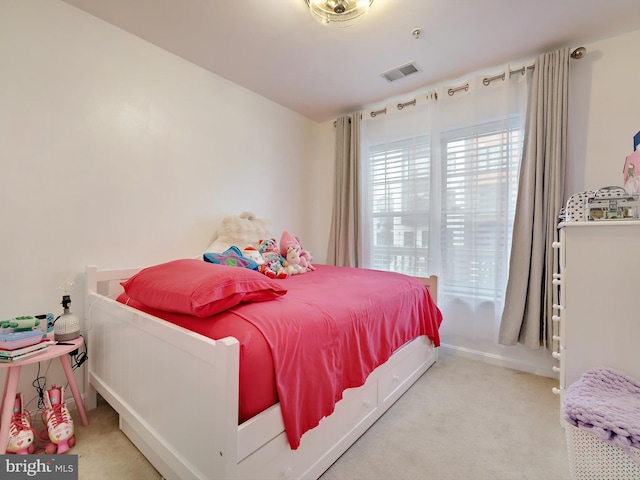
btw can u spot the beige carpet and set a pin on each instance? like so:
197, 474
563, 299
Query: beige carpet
104, 452
463, 420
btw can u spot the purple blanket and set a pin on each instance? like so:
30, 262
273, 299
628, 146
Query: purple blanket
606, 403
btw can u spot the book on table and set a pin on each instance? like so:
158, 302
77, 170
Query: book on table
23, 352
10, 339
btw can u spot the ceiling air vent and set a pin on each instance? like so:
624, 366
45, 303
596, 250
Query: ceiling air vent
400, 72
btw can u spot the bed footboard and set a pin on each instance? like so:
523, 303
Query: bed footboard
153, 374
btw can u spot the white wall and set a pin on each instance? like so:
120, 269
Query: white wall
117, 153
605, 112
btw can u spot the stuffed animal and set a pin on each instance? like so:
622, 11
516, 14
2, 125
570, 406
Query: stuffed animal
252, 253
287, 240
292, 262
231, 257
245, 229
306, 259
273, 262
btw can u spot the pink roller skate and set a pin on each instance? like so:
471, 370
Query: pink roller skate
21, 435
58, 421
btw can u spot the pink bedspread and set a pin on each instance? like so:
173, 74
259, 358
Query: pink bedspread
328, 333
332, 329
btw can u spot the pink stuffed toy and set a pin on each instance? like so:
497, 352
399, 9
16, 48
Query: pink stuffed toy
287, 240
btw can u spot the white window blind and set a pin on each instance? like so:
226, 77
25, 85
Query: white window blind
480, 181
478, 187
400, 177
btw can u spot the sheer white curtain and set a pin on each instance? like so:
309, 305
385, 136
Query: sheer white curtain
439, 190
397, 188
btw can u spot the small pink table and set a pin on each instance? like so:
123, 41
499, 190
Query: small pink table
13, 375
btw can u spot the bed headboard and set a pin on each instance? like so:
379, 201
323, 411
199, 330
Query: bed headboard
432, 285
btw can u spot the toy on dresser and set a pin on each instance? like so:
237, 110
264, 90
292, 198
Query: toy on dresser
613, 203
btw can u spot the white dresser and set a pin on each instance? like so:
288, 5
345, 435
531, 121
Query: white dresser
599, 298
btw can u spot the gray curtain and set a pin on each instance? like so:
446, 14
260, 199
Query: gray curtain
344, 239
530, 294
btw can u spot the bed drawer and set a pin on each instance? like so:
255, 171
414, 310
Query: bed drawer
351, 418
401, 368
355, 406
272, 461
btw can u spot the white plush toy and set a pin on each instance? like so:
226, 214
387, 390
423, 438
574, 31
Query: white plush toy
252, 253
240, 231
292, 262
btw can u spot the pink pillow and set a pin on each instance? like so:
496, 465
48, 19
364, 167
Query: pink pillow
199, 288
287, 240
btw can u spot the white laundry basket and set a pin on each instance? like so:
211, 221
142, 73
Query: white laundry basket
592, 459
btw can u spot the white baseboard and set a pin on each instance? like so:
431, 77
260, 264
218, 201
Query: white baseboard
498, 360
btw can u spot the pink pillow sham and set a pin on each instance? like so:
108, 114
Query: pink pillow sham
194, 287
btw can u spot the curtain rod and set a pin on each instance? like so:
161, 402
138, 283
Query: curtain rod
576, 54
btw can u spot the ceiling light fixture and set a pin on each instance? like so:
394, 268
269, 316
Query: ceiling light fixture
338, 13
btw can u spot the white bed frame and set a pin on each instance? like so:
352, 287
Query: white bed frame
176, 393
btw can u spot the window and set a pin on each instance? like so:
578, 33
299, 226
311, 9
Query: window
400, 176
439, 185
479, 185
472, 227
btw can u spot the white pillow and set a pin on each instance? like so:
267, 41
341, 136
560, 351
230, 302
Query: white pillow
241, 231
218, 246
